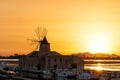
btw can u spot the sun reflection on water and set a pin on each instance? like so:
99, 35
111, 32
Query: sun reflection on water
100, 67
106, 65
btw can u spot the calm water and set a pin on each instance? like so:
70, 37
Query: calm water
110, 65
9, 62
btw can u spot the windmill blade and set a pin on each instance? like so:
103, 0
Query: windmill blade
37, 47
43, 34
32, 41
40, 33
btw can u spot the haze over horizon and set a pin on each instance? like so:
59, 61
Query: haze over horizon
73, 25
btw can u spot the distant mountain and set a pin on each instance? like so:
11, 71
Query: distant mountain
84, 54
103, 55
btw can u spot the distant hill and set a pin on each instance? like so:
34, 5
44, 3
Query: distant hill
97, 55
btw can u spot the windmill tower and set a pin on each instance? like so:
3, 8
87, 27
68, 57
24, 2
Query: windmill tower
44, 46
41, 41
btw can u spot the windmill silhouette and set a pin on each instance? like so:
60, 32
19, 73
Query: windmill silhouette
40, 37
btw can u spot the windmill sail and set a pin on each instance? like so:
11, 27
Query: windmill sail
40, 35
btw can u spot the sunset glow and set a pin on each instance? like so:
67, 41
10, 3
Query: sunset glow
99, 68
99, 44
73, 25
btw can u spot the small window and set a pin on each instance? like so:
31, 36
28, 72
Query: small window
55, 60
39, 67
55, 66
60, 59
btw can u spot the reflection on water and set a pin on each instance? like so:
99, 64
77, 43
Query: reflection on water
102, 60
103, 66
9, 60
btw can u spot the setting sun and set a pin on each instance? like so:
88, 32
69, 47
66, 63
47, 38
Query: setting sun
99, 44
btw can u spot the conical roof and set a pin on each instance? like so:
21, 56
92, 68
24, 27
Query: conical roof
44, 41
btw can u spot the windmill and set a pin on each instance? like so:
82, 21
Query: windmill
40, 33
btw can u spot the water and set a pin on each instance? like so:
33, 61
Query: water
9, 62
109, 65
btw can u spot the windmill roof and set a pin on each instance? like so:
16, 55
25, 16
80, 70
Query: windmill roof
44, 41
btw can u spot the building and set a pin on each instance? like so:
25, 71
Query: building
47, 59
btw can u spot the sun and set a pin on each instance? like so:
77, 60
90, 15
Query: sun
99, 44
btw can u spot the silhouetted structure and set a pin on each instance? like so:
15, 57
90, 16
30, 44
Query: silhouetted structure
47, 59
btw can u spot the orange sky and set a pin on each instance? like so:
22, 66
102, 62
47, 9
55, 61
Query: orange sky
73, 25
